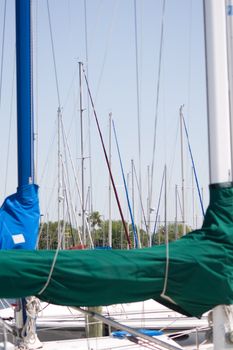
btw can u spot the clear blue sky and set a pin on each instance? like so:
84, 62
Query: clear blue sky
112, 79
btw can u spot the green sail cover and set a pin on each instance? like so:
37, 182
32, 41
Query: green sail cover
200, 270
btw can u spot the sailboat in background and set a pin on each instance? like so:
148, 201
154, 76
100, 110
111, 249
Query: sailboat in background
192, 275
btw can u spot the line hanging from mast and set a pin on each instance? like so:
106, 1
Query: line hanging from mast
140, 197
53, 51
107, 161
65, 141
9, 131
138, 103
193, 164
157, 100
88, 110
157, 212
126, 190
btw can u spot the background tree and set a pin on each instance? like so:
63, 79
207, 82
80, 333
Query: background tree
174, 232
95, 220
49, 235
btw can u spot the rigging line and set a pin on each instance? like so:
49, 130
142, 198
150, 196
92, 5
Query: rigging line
126, 190
47, 158
179, 201
73, 116
140, 197
2, 53
163, 295
49, 202
59, 176
172, 161
67, 174
68, 196
189, 56
157, 99
70, 89
138, 103
59, 244
88, 109
131, 331
106, 49
69, 204
41, 227
96, 22
86, 41
34, 46
142, 343
76, 179
141, 12
82, 152
107, 161
9, 132
193, 164
74, 218
5, 325
159, 201
53, 52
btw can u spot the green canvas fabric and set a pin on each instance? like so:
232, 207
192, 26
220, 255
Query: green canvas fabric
200, 270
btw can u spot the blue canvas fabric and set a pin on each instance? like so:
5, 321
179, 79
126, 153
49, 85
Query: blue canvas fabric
19, 219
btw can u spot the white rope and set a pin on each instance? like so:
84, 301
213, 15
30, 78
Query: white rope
166, 240
54, 262
229, 326
29, 339
32, 310
52, 266
22, 346
163, 295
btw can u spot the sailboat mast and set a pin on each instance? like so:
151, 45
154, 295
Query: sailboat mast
176, 223
218, 123
82, 152
182, 170
59, 189
217, 91
24, 88
229, 11
148, 202
25, 145
166, 233
110, 185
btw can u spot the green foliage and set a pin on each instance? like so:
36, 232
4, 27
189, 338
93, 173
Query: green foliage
100, 235
119, 241
99, 231
95, 220
174, 232
49, 235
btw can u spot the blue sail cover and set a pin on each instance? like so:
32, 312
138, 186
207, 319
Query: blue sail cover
19, 219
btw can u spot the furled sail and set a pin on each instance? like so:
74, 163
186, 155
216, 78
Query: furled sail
20, 214
19, 219
200, 274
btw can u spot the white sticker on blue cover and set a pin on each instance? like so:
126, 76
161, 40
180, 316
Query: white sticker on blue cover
19, 238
